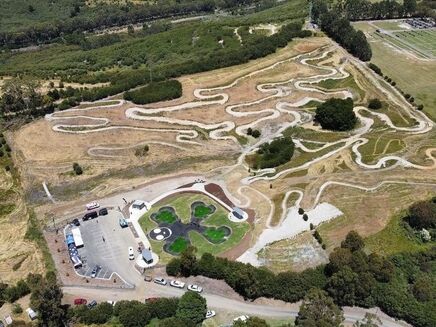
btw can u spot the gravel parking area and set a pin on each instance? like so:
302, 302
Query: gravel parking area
106, 245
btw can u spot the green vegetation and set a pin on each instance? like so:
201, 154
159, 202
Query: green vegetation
344, 83
165, 215
201, 211
77, 169
179, 245
336, 114
273, 154
187, 48
155, 92
375, 104
351, 278
216, 235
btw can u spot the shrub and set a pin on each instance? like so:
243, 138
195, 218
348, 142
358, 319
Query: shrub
77, 169
420, 107
275, 153
375, 68
17, 309
374, 104
300, 211
155, 92
305, 217
336, 114
256, 133
249, 131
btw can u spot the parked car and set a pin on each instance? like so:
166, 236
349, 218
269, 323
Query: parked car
210, 314
123, 223
32, 314
1, 324
195, 288
241, 318
92, 205
8, 320
80, 301
131, 253
160, 281
95, 271
92, 304
177, 284
90, 215
112, 303
76, 222
102, 212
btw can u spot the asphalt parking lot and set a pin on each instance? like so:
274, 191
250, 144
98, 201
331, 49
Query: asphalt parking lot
106, 244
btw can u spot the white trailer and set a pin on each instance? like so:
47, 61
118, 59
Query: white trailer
77, 237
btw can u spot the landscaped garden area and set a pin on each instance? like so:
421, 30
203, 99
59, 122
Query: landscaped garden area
193, 219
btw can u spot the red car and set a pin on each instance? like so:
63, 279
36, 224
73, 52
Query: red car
80, 301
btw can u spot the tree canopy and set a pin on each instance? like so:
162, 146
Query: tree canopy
192, 306
336, 114
318, 309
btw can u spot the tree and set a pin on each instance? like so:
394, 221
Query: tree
20, 95
176, 322
336, 114
409, 7
339, 258
370, 320
188, 261
249, 131
353, 241
133, 314
422, 214
173, 267
318, 309
192, 307
48, 304
31, 9
374, 104
163, 307
251, 322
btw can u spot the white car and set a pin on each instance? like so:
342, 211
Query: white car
160, 281
112, 303
178, 284
92, 205
195, 288
131, 253
241, 318
210, 314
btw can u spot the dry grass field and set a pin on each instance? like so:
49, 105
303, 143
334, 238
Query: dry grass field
204, 132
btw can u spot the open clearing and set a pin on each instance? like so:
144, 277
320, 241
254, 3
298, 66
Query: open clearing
205, 131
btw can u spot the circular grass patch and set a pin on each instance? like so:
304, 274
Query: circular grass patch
217, 235
165, 215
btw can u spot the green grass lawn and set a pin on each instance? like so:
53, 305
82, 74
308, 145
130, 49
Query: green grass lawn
179, 245
415, 77
166, 216
182, 204
201, 211
215, 235
394, 238
345, 83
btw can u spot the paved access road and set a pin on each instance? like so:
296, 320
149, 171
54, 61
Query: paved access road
217, 302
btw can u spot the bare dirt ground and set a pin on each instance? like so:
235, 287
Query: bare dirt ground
204, 132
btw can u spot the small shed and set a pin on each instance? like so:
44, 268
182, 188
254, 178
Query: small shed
147, 256
32, 314
139, 204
